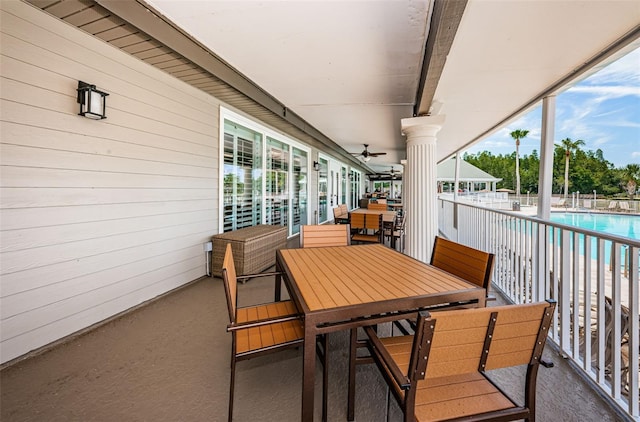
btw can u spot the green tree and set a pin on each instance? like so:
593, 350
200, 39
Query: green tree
517, 135
569, 146
630, 177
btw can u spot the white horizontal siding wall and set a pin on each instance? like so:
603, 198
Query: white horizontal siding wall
95, 216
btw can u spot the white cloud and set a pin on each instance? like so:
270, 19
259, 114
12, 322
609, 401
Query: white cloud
623, 71
604, 92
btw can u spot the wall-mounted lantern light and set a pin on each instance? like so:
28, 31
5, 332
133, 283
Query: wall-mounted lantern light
93, 103
316, 166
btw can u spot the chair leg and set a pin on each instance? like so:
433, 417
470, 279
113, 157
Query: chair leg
325, 376
233, 378
353, 340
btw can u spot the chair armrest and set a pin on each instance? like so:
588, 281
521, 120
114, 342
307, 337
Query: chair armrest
262, 322
377, 348
490, 298
243, 277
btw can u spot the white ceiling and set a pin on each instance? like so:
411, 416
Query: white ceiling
351, 68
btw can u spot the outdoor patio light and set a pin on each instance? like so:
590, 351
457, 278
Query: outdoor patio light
93, 103
316, 166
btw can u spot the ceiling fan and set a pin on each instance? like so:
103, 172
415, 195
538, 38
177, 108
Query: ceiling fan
366, 155
393, 173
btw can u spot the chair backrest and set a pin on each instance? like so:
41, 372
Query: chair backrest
357, 220
378, 206
613, 204
373, 222
470, 340
317, 236
624, 205
472, 265
230, 280
344, 211
337, 213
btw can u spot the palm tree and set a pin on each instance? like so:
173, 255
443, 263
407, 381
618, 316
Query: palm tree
517, 135
569, 146
631, 175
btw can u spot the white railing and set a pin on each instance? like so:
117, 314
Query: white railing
591, 272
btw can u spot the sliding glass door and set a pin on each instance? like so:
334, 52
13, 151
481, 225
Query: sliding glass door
300, 185
242, 186
277, 187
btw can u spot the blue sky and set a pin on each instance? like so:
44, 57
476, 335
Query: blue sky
602, 110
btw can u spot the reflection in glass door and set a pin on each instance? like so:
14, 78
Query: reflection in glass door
343, 185
300, 183
323, 189
277, 186
354, 177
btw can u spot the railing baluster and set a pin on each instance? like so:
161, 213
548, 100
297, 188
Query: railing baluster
601, 312
634, 327
586, 322
565, 286
615, 335
575, 287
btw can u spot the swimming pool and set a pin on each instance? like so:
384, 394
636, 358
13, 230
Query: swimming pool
616, 224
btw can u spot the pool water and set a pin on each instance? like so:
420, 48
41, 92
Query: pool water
616, 224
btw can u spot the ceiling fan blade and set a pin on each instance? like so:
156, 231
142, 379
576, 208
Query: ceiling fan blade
375, 154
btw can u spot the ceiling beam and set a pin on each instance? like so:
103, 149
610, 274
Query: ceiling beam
445, 20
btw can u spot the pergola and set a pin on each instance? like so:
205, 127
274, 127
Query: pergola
471, 176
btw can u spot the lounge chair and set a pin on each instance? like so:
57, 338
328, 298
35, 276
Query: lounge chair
624, 206
562, 203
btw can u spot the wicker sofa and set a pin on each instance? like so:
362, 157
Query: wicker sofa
254, 248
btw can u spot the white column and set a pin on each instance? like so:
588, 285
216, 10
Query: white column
421, 187
456, 178
545, 175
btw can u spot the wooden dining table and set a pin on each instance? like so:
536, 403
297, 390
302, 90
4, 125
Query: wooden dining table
340, 288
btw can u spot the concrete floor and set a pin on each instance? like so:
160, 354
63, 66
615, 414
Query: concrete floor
169, 361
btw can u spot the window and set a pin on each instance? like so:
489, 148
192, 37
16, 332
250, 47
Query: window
242, 177
264, 177
277, 186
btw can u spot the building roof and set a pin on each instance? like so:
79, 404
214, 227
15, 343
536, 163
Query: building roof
468, 172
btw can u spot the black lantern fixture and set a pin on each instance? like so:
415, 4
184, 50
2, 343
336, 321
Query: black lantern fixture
93, 103
316, 166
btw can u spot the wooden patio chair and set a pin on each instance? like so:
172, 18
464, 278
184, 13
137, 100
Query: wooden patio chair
470, 264
395, 232
440, 372
316, 236
341, 214
262, 329
378, 206
363, 224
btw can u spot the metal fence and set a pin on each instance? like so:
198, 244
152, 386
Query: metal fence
593, 277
